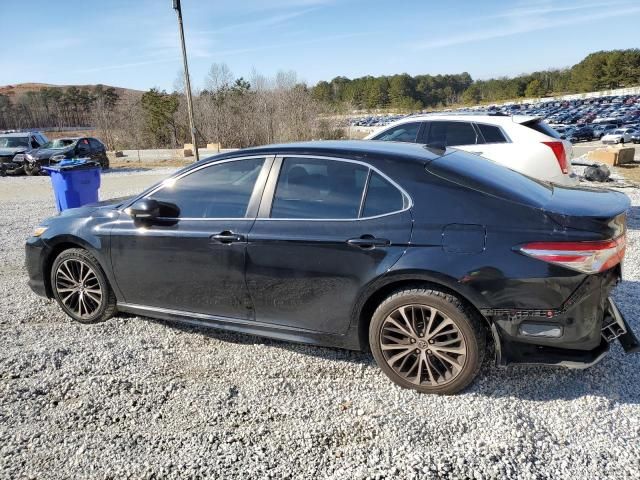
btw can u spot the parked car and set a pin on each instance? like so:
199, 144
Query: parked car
522, 143
602, 129
621, 135
583, 133
59, 149
16, 143
635, 138
417, 253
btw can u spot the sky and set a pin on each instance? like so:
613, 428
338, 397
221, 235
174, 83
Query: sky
135, 43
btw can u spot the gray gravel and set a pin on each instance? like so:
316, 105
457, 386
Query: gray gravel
136, 398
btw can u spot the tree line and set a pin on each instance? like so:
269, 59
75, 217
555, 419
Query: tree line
597, 71
239, 112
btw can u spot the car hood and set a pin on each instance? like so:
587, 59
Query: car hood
5, 152
45, 153
95, 209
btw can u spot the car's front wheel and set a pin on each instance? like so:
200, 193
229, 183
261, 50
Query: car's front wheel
81, 288
32, 169
427, 340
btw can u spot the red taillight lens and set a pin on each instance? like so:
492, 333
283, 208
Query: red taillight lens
586, 257
561, 155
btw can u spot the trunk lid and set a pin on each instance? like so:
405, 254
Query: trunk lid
590, 209
595, 210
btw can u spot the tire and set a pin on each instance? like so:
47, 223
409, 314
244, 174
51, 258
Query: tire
94, 292
32, 172
104, 163
421, 369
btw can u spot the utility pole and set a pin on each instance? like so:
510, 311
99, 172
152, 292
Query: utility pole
187, 82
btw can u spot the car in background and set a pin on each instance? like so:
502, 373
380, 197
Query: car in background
602, 129
582, 133
421, 255
13, 144
59, 149
620, 135
635, 137
523, 143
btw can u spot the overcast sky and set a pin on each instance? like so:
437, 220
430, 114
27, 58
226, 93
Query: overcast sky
134, 43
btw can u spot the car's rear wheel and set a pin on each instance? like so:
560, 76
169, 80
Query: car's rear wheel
81, 288
427, 340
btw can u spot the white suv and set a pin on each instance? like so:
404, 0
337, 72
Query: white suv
526, 144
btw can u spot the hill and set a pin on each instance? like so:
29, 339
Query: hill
18, 89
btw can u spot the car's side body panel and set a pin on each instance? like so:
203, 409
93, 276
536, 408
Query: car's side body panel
300, 280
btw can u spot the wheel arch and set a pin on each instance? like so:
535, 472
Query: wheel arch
381, 289
59, 245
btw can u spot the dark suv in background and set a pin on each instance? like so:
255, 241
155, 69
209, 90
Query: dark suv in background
59, 149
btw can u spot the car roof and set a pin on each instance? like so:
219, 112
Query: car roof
17, 134
469, 117
345, 148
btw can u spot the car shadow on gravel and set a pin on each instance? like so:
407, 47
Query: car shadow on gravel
237, 338
613, 379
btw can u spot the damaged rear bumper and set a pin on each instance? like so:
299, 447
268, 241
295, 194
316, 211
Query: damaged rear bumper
545, 346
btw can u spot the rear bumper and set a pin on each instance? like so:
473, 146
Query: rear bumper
577, 335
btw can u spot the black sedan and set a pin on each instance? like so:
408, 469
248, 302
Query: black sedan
582, 133
54, 151
422, 255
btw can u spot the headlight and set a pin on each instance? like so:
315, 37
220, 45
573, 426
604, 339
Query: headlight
38, 231
57, 158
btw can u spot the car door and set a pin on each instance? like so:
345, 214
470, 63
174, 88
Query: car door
97, 150
326, 228
192, 258
83, 148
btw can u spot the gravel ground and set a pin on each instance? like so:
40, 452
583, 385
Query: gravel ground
136, 398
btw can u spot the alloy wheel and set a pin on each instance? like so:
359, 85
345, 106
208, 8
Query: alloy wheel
78, 288
423, 345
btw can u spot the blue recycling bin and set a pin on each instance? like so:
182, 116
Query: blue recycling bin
75, 183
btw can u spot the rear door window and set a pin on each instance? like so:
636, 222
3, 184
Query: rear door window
452, 134
310, 188
406, 132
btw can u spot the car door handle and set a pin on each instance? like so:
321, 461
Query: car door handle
227, 237
368, 242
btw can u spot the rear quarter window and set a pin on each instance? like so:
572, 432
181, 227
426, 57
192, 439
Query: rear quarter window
491, 133
543, 127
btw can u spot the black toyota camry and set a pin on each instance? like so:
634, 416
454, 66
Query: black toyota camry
424, 256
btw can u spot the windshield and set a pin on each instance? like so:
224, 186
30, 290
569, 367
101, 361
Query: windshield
14, 142
60, 143
618, 132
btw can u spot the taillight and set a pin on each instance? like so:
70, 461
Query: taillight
586, 257
561, 155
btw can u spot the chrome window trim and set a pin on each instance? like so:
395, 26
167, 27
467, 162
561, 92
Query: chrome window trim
405, 195
162, 184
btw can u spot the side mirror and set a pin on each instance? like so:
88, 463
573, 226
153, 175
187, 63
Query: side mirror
144, 209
